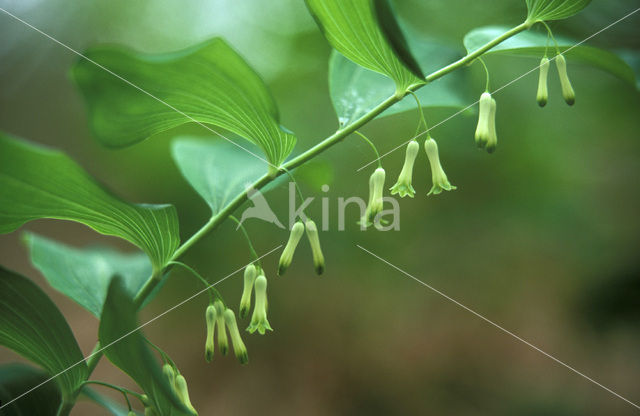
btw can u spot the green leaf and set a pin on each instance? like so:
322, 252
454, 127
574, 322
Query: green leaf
112, 407
15, 379
355, 91
124, 346
84, 274
632, 58
393, 33
216, 169
351, 27
208, 83
32, 326
36, 182
533, 44
554, 9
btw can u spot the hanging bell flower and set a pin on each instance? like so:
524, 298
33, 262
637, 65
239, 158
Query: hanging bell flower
482, 130
316, 250
492, 141
287, 254
567, 90
210, 317
223, 344
183, 393
438, 177
259, 320
543, 95
239, 348
250, 273
375, 205
403, 186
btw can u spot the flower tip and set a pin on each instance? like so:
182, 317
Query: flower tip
243, 358
542, 102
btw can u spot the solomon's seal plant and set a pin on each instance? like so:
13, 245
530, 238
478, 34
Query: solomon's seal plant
211, 84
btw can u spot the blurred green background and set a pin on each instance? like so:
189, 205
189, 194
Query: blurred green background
541, 237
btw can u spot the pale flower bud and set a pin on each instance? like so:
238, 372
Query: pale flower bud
169, 374
183, 393
493, 137
316, 250
250, 273
287, 254
375, 205
236, 340
403, 185
210, 317
259, 320
223, 344
543, 94
484, 114
567, 90
438, 177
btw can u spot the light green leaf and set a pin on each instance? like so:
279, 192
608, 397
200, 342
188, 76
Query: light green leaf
533, 44
216, 169
84, 274
112, 407
209, 83
32, 326
554, 9
351, 27
355, 91
37, 182
125, 347
15, 379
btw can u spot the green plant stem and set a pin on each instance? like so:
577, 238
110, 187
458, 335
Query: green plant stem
305, 156
373, 146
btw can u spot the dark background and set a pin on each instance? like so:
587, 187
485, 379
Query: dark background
540, 237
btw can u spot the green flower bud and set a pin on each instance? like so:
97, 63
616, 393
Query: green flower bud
238, 346
223, 344
316, 250
148, 411
403, 185
170, 374
259, 320
438, 177
484, 115
250, 273
210, 317
183, 392
131, 413
567, 90
287, 254
492, 141
375, 205
543, 94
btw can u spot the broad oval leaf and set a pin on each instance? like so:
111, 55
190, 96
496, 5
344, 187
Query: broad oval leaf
84, 274
553, 9
124, 346
355, 90
32, 326
351, 27
208, 83
37, 182
15, 379
533, 44
217, 169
